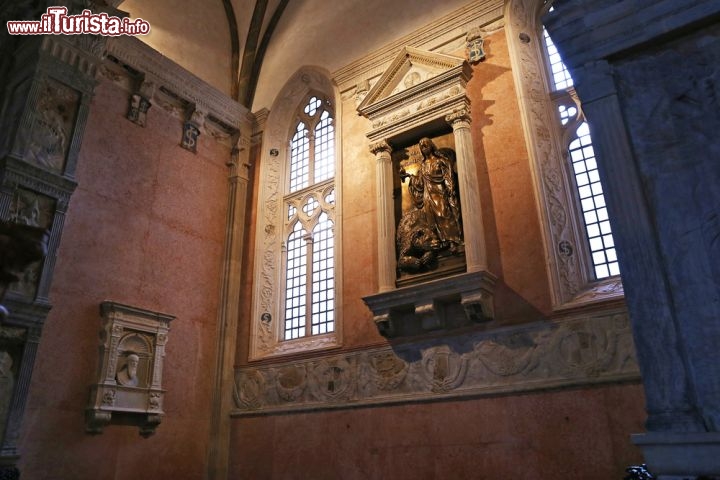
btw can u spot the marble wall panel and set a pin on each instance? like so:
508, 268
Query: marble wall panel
145, 227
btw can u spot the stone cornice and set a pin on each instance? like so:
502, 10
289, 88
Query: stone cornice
206, 98
476, 14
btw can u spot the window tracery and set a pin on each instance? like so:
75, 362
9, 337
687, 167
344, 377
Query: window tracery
297, 239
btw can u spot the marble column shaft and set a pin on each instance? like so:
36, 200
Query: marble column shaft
473, 231
385, 222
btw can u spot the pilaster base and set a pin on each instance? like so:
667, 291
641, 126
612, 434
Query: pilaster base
680, 456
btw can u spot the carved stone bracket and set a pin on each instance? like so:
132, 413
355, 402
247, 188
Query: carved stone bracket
140, 102
427, 306
131, 365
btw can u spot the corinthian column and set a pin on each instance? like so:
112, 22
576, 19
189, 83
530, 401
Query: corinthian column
385, 222
473, 232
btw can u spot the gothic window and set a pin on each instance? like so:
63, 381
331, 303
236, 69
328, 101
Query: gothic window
310, 203
298, 231
583, 166
582, 265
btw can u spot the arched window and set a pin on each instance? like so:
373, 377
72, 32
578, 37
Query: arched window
578, 239
298, 238
310, 203
584, 173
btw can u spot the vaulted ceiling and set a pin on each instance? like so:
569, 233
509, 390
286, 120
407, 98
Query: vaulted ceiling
249, 48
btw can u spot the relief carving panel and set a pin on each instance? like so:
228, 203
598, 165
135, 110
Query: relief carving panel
49, 136
576, 351
35, 210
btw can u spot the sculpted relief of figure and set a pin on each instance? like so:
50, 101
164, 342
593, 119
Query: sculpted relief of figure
433, 223
127, 375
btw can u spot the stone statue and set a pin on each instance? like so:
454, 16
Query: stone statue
433, 223
127, 375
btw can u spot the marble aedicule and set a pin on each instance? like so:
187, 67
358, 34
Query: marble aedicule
131, 366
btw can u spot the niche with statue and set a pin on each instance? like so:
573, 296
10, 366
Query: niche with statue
432, 259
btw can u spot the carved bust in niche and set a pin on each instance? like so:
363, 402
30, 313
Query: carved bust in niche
127, 375
429, 232
132, 360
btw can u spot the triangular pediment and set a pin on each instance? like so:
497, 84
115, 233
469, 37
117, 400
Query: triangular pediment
410, 68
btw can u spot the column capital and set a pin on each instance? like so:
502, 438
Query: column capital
380, 147
459, 117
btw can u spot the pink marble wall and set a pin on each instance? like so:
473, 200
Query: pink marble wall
145, 227
568, 434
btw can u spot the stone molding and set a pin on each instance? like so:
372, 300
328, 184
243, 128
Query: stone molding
82, 53
173, 78
574, 351
671, 453
571, 281
433, 36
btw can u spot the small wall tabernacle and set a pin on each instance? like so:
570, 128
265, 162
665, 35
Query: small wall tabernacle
130, 373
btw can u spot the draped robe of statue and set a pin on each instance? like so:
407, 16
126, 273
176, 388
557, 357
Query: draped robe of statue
434, 192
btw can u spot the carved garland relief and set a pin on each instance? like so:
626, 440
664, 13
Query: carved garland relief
570, 352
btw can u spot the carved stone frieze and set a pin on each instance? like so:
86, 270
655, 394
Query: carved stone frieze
34, 210
47, 138
576, 350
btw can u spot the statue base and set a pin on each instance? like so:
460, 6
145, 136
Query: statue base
440, 304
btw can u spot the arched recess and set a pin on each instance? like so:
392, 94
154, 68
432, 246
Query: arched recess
569, 266
267, 309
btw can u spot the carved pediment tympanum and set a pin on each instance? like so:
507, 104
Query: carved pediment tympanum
411, 67
417, 88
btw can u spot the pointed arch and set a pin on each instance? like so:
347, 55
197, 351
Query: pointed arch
296, 187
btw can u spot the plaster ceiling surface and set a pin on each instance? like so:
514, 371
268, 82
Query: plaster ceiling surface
332, 34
